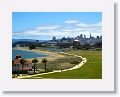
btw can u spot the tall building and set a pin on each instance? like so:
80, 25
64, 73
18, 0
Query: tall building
97, 37
84, 36
54, 39
81, 36
78, 37
90, 35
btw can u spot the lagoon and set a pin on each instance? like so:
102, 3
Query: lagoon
26, 54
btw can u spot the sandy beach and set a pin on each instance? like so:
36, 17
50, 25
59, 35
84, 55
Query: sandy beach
51, 55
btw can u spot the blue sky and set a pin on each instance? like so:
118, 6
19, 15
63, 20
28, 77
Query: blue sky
45, 25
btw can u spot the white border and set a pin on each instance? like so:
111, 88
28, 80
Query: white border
104, 84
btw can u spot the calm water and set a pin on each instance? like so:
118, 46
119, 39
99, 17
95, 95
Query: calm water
26, 54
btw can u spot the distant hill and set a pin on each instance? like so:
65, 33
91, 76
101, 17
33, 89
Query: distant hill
29, 40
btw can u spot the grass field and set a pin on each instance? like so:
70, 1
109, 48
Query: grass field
92, 69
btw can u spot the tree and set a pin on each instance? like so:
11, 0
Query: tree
22, 61
32, 47
87, 46
44, 60
76, 44
34, 61
18, 56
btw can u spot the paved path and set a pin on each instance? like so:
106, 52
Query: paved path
84, 60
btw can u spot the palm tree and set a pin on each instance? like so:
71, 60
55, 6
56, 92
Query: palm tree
23, 61
44, 60
34, 61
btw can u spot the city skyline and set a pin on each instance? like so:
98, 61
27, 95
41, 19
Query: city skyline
81, 35
45, 25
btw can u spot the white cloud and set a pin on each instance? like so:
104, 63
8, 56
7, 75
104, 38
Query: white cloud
71, 22
82, 25
48, 27
63, 30
99, 24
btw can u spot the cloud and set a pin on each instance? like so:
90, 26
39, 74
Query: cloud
60, 31
83, 25
48, 27
71, 21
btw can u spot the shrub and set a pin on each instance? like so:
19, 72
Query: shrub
49, 70
32, 47
74, 62
98, 49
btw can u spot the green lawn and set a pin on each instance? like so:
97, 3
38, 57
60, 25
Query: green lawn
92, 69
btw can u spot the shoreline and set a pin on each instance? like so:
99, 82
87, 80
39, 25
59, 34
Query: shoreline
50, 55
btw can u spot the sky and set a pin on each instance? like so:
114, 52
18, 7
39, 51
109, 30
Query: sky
45, 25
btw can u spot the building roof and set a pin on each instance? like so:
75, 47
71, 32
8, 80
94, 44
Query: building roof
76, 40
29, 62
17, 61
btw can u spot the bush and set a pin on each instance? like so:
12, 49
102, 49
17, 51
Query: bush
74, 62
15, 75
49, 70
32, 47
98, 49
31, 72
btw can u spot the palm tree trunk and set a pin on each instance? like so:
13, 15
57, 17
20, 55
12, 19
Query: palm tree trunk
45, 67
34, 67
22, 68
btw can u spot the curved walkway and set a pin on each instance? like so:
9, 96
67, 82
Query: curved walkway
84, 60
